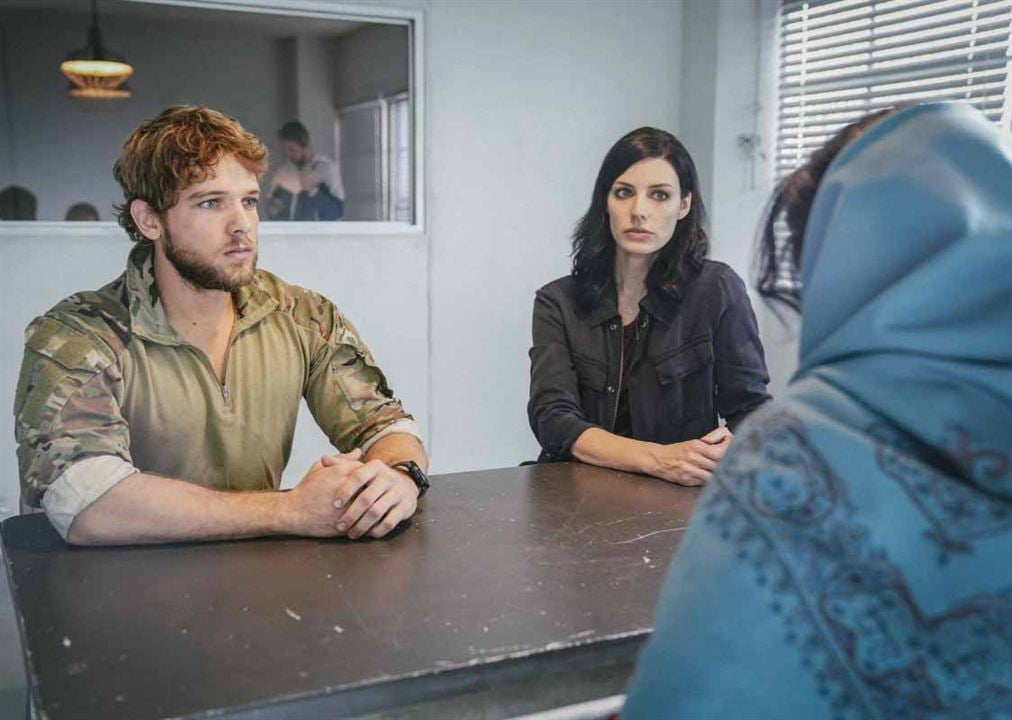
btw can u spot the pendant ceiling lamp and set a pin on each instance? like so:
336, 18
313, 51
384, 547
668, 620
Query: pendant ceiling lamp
93, 71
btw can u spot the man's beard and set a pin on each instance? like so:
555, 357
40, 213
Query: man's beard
202, 275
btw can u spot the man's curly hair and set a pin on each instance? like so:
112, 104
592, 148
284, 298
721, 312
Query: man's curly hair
174, 150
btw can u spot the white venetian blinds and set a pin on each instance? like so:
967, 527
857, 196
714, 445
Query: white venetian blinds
840, 59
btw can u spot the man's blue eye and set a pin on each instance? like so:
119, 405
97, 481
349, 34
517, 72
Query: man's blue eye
208, 203
251, 202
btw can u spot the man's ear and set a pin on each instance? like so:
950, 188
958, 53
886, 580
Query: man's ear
148, 222
686, 206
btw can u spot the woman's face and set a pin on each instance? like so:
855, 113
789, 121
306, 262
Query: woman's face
645, 204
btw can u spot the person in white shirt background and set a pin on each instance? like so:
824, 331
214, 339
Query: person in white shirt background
307, 186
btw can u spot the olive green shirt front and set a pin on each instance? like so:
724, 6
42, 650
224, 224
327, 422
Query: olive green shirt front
104, 374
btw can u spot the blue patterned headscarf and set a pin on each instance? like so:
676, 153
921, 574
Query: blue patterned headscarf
852, 555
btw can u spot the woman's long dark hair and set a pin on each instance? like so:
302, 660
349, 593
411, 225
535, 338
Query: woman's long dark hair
593, 245
778, 259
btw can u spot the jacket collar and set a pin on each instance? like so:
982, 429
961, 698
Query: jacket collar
659, 306
147, 316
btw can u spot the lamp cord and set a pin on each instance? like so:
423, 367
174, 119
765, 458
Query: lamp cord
8, 103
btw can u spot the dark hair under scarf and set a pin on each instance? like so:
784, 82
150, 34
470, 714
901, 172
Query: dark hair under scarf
778, 259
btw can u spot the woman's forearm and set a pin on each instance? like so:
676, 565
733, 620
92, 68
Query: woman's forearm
686, 463
597, 446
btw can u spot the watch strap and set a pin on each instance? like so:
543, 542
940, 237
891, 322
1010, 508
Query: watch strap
417, 475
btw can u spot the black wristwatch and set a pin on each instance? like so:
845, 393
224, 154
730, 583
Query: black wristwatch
418, 475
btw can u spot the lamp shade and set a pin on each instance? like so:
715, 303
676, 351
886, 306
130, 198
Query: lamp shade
93, 71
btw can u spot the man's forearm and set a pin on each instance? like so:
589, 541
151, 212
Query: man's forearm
145, 508
396, 447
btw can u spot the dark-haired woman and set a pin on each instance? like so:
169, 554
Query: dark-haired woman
851, 556
640, 351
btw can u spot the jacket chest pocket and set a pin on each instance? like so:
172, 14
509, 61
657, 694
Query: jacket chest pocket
593, 384
685, 377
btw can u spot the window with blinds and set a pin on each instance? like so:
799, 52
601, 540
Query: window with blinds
841, 59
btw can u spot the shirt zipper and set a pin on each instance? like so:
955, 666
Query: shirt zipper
618, 388
223, 384
233, 336
224, 376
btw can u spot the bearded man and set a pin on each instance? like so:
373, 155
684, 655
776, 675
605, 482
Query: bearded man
162, 407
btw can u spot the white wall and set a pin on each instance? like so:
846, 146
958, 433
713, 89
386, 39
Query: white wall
743, 182
698, 67
524, 100
728, 76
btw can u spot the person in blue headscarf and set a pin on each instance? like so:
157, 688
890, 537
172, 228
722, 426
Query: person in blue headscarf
852, 554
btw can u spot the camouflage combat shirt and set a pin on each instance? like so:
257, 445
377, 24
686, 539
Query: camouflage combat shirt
105, 374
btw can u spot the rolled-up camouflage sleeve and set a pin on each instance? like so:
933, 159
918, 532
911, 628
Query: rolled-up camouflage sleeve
347, 392
66, 407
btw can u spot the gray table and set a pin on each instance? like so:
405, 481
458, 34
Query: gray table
512, 590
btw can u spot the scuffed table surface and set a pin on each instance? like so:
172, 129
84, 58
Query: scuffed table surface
504, 576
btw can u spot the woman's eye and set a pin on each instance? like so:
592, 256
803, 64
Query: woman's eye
661, 196
623, 193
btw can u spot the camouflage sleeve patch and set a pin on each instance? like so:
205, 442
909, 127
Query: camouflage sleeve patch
66, 406
308, 309
347, 392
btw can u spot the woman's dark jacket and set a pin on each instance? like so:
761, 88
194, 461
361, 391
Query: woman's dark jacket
699, 357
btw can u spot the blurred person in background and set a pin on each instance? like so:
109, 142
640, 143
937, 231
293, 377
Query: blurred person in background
307, 186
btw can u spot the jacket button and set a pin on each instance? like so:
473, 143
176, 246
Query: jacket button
611, 389
613, 327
